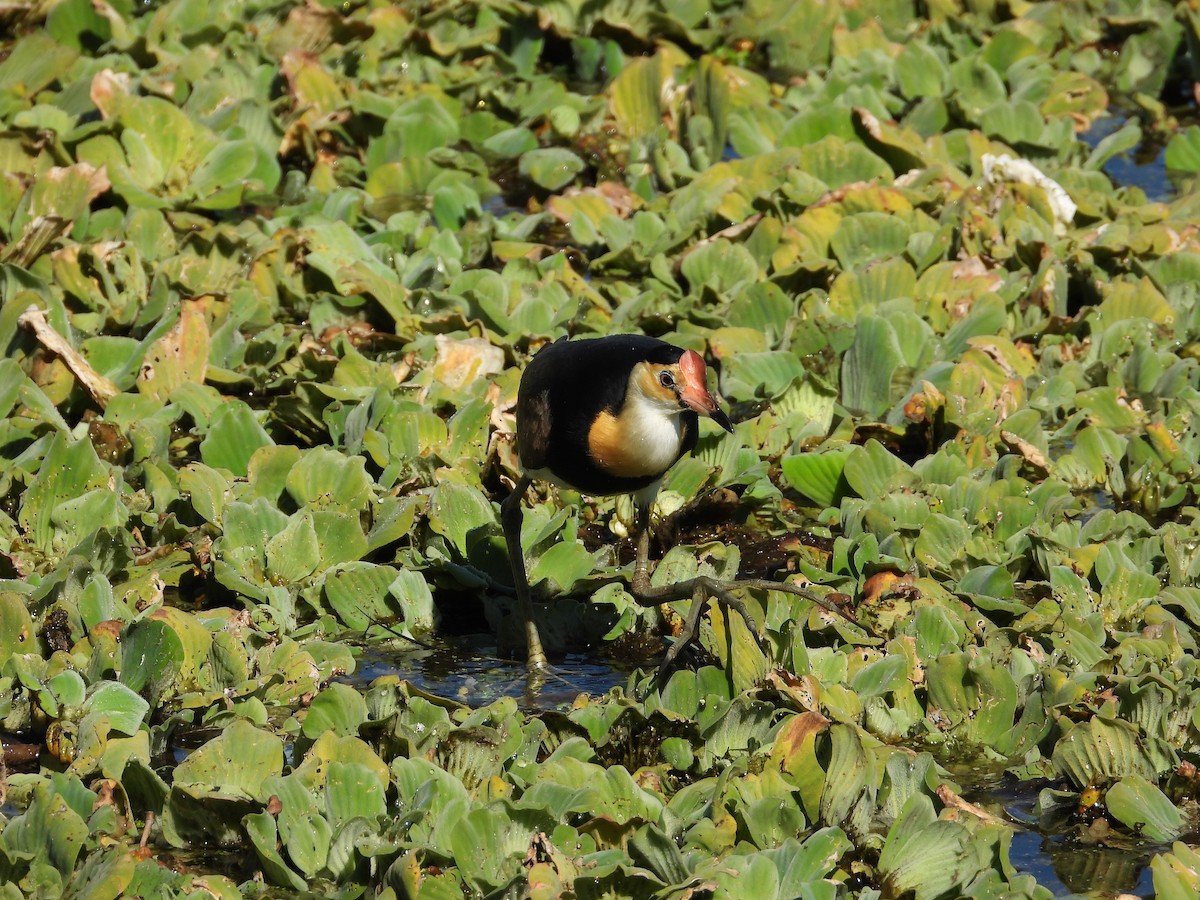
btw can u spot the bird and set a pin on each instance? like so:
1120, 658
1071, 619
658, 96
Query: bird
605, 416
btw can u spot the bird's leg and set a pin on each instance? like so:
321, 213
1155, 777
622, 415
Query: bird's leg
510, 519
700, 589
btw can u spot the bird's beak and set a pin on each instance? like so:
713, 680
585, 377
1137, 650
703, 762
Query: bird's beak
695, 394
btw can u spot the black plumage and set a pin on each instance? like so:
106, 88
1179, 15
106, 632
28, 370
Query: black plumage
565, 387
608, 416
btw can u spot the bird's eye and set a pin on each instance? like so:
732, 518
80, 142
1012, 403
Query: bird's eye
666, 379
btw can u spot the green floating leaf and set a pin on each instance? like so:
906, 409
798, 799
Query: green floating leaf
354, 790
124, 710
16, 625
105, 875
233, 437
303, 830
550, 167
868, 366
1141, 806
152, 657
721, 266
339, 709
461, 514
358, 593
867, 237
1183, 150
991, 581
1177, 874
871, 471
818, 475
239, 760
51, 828
768, 374
1102, 749
922, 853
264, 835
837, 163
67, 192
229, 171
920, 72
976, 695
489, 844
636, 94
511, 143
564, 564
69, 470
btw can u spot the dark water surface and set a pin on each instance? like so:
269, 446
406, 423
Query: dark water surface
474, 675
1058, 852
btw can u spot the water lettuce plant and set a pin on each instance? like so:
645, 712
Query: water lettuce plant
269, 273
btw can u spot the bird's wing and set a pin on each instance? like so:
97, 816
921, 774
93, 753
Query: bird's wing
533, 429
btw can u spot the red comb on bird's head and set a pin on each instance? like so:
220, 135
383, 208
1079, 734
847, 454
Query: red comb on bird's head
693, 367
695, 393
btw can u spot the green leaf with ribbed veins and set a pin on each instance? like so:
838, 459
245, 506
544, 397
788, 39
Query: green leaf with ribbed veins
352, 791
124, 709
868, 367
261, 829
489, 844
152, 656
69, 470
303, 830
564, 564
1142, 807
511, 143
922, 853
991, 581
232, 438
818, 475
340, 537
767, 374
720, 265
1177, 874
229, 171
801, 864
879, 677
206, 488
867, 237
550, 167
837, 162
344, 853
239, 760
358, 593
323, 478
751, 876
415, 600
458, 511
871, 471
339, 708
1103, 749
294, 553
920, 72
1013, 121
1183, 150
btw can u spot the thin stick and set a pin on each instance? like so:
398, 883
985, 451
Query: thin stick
101, 388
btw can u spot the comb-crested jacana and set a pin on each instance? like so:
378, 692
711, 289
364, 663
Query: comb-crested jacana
609, 416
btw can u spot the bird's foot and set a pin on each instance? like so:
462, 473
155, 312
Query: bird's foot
703, 587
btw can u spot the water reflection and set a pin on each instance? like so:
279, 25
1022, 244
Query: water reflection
473, 674
1144, 166
1056, 851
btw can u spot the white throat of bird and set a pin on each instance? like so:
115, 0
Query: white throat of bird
651, 426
